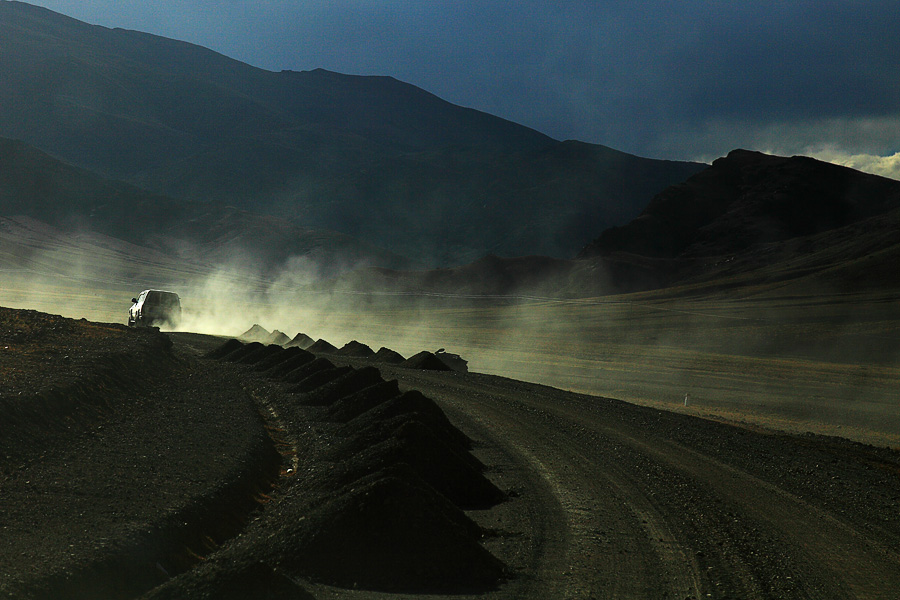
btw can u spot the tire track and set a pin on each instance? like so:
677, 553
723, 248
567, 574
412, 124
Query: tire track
649, 517
616, 543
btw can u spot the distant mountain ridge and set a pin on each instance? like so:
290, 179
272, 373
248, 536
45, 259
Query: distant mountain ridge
756, 218
749, 220
371, 157
747, 199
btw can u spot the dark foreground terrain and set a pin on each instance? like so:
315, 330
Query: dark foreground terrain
135, 464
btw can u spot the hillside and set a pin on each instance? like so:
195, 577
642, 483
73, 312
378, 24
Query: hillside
371, 157
757, 217
748, 199
749, 219
74, 203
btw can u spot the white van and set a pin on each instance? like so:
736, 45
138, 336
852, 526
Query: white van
155, 308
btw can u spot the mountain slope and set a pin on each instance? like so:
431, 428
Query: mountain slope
38, 186
749, 221
746, 199
756, 217
369, 156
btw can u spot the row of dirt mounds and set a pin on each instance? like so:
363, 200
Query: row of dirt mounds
375, 485
259, 334
425, 360
140, 469
123, 462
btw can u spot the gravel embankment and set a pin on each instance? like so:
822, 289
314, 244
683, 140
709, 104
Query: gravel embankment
144, 469
123, 462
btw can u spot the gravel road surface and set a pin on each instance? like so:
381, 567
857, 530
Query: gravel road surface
205, 478
622, 501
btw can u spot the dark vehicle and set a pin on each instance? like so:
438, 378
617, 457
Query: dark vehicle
454, 361
155, 308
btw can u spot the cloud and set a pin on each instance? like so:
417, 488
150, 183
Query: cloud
886, 166
869, 144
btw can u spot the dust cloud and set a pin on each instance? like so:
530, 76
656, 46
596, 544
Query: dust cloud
826, 363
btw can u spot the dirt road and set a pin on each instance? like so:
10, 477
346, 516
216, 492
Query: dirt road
627, 502
604, 499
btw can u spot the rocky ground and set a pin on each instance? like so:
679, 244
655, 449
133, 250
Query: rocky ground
136, 464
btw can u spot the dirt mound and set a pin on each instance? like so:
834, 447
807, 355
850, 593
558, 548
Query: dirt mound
245, 350
348, 383
278, 338
389, 534
437, 463
260, 354
385, 479
225, 349
357, 349
350, 407
361, 434
386, 355
284, 362
425, 361
413, 404
320, 378
308, 368
322, 347
343, 476
454, 361
301, 340
257, 333
273, 357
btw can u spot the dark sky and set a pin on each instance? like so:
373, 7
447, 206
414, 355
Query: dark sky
680, 79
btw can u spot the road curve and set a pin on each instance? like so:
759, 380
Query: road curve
623, 501
605, 499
